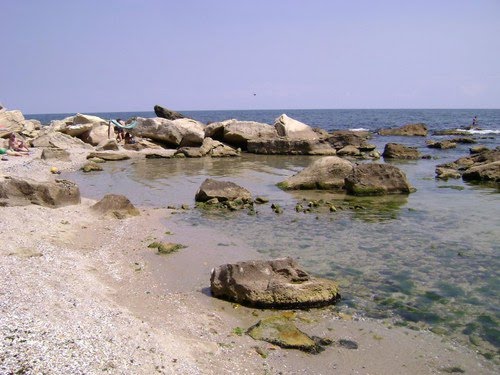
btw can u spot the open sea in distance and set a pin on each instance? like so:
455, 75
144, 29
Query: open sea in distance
429, 260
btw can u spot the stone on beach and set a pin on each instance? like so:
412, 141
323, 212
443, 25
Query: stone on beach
24, 191
278, 283
115, 205
281, 331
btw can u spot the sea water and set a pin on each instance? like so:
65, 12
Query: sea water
429, 260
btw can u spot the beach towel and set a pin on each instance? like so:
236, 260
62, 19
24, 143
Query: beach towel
132, 125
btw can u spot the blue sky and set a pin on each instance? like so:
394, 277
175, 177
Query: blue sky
128, 55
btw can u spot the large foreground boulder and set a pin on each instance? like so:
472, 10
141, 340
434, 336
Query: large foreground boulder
377, 179
24, 191
222, 191
59, 140
418, 129
278, 283
325, 173
115, 205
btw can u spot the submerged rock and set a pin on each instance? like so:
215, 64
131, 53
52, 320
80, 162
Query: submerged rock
278, 283
281, 331
418, 129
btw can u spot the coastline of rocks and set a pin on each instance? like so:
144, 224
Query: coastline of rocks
78, 276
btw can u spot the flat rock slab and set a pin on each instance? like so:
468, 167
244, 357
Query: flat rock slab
108, 155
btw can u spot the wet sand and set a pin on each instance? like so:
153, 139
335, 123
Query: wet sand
81, 293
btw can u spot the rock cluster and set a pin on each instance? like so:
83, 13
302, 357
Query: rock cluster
334, 173
480, 166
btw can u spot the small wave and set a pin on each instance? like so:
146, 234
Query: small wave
359, 130
479, 131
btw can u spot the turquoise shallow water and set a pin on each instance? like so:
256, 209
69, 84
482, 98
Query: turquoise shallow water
429, 260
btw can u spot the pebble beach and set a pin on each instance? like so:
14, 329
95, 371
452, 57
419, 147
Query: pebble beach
82, 294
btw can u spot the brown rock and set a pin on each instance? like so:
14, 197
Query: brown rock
278, 283
20, 192
398, 151
115, 205
377, 179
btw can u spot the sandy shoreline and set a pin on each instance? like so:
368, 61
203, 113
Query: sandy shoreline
83, 294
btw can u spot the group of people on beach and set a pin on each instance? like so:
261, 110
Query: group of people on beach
122, 135
16, 147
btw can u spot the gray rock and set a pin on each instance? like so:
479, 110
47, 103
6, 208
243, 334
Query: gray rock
222, 190
53, 153
167, 113
174, 133
377, 179
59, 140
278, 283
23, 191
293, 129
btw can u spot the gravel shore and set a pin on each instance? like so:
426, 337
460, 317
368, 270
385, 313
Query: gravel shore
83, 294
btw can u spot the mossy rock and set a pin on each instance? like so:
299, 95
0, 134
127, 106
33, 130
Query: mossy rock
91, 166
281, 331
166, 247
